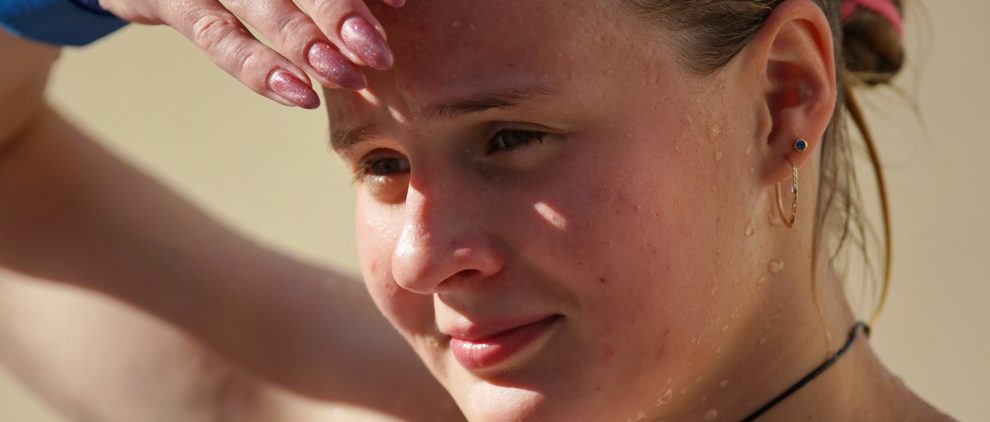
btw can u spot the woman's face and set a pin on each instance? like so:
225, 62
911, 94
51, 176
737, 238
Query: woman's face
553, 212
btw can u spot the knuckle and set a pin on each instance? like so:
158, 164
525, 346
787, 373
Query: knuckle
298, 28
327, 9
247, 60
211, 30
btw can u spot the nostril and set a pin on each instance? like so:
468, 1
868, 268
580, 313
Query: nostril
465, 275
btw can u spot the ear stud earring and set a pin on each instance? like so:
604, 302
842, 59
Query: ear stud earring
800, 145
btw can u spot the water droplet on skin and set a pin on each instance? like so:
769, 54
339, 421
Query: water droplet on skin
711, 415
723, 384
749, 149
725, 328
764, 340
752, 169
776, 266
718, 156
761, 281
684, 391
714, 290
665, 398
714, 131
750, 231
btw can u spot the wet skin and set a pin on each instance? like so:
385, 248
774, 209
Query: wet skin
526, 162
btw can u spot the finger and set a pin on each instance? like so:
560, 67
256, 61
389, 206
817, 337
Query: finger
229, 44
351, 26
294, 35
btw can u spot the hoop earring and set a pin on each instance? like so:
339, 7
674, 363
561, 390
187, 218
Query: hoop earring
800, 146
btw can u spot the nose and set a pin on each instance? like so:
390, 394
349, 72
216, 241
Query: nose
442, 241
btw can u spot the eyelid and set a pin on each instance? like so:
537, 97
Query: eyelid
371, 143
497, 127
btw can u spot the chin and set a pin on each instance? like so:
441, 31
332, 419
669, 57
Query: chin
491, 402
486, 401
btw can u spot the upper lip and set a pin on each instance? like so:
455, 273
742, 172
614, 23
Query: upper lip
474, 331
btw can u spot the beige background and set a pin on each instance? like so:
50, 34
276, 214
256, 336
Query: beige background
266, 170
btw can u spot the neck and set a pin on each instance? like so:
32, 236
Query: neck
856, 387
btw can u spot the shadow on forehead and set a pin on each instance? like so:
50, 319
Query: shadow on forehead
343, 138
467, 56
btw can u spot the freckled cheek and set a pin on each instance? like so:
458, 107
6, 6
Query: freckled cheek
410, 313
633, 246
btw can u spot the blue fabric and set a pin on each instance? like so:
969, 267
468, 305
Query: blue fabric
59, 22
93, 5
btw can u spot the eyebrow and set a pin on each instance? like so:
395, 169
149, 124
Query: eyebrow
345, 139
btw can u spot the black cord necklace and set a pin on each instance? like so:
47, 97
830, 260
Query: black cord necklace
853, 334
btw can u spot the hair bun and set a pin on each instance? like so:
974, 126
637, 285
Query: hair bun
872, 45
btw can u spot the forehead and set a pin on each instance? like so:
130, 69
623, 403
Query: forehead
453, 49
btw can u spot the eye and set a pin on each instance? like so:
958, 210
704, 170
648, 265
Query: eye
381, 164
508, 139
385, 166
384, 175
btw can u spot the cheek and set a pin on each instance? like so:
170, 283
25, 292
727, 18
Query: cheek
377, 228
647, 232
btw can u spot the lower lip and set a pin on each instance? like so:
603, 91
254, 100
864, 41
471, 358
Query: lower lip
499, 350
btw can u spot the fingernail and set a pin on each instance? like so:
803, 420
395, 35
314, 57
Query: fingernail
335, 67
366, 42
293, 89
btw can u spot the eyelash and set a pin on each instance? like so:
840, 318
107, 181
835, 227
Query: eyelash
529, 137
501, 141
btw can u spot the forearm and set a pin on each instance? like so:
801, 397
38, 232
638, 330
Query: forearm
75, 214
95, 359
24, 66
78, 215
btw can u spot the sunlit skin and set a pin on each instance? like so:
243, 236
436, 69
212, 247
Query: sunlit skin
576, 170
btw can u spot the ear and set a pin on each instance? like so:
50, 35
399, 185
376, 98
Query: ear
793, 56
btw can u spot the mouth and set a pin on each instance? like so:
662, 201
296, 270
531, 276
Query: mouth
500, 349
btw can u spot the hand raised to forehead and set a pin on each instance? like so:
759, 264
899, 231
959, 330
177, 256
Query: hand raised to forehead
329, 39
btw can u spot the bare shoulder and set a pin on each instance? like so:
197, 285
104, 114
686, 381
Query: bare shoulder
906, 405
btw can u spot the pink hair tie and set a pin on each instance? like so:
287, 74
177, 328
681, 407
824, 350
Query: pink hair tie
885, 8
